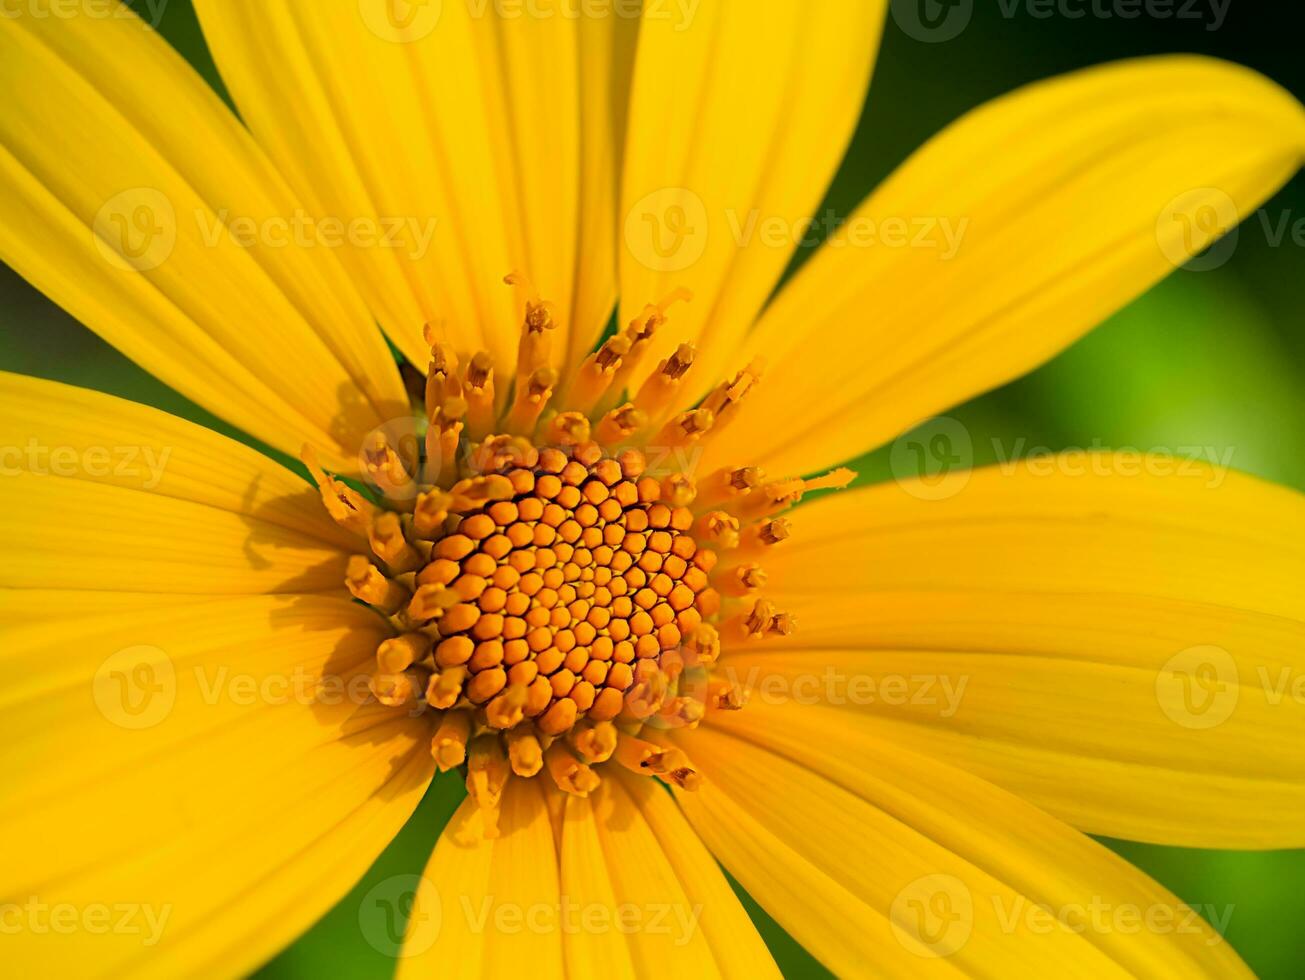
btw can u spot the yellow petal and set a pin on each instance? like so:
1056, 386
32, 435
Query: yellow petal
97, 493
463, 127
204, 772
488, 907
648, 834
882, 861
658, 912
1004, 239
734, 128
1121, 647
617, 884
148, 213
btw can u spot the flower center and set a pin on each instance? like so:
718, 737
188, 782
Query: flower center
556, 603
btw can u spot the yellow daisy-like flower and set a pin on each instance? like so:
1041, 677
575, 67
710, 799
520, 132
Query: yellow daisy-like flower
573, 571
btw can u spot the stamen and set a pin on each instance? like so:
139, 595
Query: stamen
524, 752
535, 346
394, 690
478, 390
619, 426
532, 395
726, 696
368, 585
596, 373
487, 771
445, 688
739, 580
391, 546
571, 775
776, 497
724, 401
401, 652
687, 427
449, 746
347, 507
659, 391
640, 331
567, 429
384, 469
594, 743
728, 486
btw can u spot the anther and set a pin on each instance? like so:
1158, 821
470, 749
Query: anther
524, 751
487, 771
347, 507
594, 743
445, 688
401, 652
569, 773
390, 545
596, 373
566, 429
620, 425
449, 745
532, 395
659, 391
384, 469
685, 428
365, 581
478, 390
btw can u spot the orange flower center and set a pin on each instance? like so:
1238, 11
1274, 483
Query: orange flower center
564, 595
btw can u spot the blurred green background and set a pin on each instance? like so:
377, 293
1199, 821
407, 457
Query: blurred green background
1209, 358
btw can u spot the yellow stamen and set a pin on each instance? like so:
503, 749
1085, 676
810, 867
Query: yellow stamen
449, 746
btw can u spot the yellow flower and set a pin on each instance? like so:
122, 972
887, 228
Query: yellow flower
206, 740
